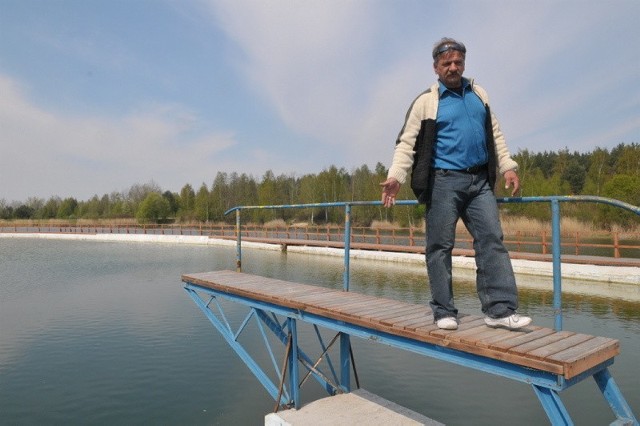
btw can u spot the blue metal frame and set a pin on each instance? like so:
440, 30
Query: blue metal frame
545, 385
265, 314
555, 230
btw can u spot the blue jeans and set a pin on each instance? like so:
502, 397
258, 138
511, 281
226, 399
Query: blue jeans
468, 196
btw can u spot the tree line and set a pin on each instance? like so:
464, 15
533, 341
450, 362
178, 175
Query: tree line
611, 173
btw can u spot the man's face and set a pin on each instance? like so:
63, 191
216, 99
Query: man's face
449, 67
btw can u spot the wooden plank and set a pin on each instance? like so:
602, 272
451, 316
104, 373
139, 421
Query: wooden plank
587, 354
477, 335
409, 318
516, 359
470, 330
538, 343
559, 346
565, 352
465, 323
368, 311
243, 285
590, 346
393, 310
517, 338
349, 306
368, 305
347, 314
319, 299
337, 300
421, 321
291, 293
390, 318
336, 297
552, 367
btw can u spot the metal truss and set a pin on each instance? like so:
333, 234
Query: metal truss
286, 392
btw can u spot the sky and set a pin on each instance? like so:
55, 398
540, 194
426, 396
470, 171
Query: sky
99, 95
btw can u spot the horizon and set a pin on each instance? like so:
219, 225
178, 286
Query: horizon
256, 179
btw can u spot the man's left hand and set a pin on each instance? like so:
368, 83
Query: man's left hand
512, 180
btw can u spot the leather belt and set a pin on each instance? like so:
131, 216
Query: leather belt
470, 170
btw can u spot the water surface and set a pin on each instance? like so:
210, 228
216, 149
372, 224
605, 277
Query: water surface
103, 333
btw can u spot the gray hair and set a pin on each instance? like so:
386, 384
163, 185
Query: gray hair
445, 44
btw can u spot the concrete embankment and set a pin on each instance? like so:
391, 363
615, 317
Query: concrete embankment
604, 281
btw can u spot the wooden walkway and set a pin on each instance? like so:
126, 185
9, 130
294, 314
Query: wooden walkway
564, 353
395, 248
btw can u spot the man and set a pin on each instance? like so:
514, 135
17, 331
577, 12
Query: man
454, 147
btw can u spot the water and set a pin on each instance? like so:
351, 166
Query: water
103, 333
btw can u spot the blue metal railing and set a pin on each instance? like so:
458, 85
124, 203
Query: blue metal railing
555, 229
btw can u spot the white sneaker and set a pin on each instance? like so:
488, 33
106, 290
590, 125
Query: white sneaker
512, 322
447, 323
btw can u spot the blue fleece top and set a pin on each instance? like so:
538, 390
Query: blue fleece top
460, 133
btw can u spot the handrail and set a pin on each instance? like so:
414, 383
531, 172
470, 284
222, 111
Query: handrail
555, 229
393, 238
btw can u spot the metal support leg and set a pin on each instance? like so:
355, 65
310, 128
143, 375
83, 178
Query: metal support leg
553, 406
274, 326
345, 362
294, 376
237, 347
614, 397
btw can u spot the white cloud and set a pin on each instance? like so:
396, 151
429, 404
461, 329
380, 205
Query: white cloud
303, 57
319, 65
48, 153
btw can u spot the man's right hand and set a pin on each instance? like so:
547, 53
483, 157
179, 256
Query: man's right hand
390, 189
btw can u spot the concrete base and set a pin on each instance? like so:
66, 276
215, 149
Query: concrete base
350, 409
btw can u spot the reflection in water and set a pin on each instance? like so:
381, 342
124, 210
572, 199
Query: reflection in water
102, 333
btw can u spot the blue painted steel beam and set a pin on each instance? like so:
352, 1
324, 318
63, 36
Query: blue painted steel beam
545, 384
294, 373
540, 199
279, 332
238, 243
501, 368
557, 272
554, 200
260, 308
345, 361
347, 247
325, 350
262, 377
454, 356
614, 397
553, 406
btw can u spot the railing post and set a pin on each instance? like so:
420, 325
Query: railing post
238, 243
347, 245
345, 340
557, 270
616, 245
